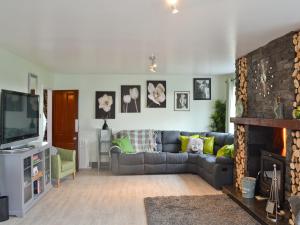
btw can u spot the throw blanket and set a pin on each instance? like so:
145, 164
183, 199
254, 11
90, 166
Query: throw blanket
141, 140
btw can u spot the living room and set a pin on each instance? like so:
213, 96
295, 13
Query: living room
149, 112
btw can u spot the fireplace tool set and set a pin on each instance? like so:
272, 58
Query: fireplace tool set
273, 206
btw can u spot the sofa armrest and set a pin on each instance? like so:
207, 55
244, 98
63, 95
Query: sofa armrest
55, 166
115, 150
66, 155
224, 160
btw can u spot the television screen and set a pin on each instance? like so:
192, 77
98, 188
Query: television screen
19, 116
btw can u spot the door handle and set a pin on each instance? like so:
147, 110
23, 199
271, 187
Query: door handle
76, 125
74, 138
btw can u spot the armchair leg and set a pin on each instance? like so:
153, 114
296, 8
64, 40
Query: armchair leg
74, 175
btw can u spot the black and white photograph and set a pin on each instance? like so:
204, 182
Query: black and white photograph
105, 105
181, 101
156, 94
130, 98
202, 88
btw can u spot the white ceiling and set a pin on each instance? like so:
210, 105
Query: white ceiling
118, 36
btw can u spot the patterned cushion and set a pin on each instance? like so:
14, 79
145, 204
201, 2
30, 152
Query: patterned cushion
141, 140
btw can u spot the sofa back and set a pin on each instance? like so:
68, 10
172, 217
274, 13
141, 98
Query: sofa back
168, 141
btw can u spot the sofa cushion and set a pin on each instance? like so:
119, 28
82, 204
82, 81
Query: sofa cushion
207, 162
219, 140
131, 159
173, 148
170, 137
66, 165
155, 158
185, 133
177, 158
185, 141
193, 158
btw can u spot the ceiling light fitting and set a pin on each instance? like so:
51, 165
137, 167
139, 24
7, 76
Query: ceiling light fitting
153, 65
173, 5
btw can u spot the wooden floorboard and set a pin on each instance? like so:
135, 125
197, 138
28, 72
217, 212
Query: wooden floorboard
104, 199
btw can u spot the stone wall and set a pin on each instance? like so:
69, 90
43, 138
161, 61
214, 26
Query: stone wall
280, 56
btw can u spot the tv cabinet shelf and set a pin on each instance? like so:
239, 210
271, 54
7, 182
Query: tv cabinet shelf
17, 179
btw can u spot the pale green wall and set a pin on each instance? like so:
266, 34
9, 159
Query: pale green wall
14, 74
197, 119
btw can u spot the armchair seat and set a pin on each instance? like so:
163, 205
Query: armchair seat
66, 165
63, 164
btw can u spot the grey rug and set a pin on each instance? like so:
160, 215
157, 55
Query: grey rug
196, 210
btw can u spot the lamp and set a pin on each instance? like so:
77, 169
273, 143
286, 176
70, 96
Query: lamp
173, 5
153, 65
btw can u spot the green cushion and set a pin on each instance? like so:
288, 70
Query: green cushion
208, 147
227, 151
185, 141
124, 144
66, 165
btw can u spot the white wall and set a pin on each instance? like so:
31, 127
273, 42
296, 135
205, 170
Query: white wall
197, 119
14, 74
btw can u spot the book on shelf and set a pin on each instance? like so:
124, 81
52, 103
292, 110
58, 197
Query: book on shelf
37, 187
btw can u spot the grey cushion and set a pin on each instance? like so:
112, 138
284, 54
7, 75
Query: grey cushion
176, 168
224, 160
177, 158
193, 158
208, 162
155, 168
185, 133
170, 137
131, 159
295, 206
131, 169
155, 158
174, 148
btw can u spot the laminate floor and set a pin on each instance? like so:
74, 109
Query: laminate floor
104, 199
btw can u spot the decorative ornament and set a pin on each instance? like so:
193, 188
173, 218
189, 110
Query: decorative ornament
239, 108
105, 126
263, 75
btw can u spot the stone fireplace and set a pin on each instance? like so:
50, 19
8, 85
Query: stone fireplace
268, 79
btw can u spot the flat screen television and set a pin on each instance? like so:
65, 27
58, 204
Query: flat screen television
19, 122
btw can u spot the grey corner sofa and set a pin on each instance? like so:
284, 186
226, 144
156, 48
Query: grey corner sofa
168, 159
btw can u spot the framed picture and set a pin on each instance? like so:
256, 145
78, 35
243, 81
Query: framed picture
32, 83
181, 101
105, 105
130, 98
202, 88
156, 94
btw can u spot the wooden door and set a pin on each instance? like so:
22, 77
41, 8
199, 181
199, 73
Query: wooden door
65, 117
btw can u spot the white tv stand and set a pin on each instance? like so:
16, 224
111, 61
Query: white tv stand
17, 178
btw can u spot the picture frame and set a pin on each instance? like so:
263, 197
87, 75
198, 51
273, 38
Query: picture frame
105, 105
202, 88
156, 94
181, 101
130, 98
32, 83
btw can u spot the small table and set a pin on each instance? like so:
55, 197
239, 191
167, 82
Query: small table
104, 137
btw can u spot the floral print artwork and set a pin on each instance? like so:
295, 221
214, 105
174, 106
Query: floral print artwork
105, 105
130, 99
156, 94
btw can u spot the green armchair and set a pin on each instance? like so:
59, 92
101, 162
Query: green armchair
63, 164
